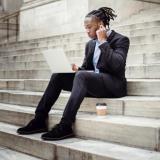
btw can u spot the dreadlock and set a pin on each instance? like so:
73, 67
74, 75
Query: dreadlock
105, 14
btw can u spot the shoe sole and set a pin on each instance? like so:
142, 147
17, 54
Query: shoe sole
33, 132
54, 139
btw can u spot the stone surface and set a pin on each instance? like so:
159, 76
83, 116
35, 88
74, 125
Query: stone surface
7, 154
131, 105
135, 71
52, 12
133, 120
10, 6
155, 1
143, 131
143, 71
72, 17
146, 58
71, 149
141, 87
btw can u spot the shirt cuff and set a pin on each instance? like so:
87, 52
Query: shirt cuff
102, 42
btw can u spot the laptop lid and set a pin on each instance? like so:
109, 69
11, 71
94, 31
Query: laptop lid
57, 60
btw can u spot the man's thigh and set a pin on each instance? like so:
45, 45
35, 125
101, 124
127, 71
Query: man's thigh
94, 83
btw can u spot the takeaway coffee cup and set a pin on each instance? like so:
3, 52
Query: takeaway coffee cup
101, 109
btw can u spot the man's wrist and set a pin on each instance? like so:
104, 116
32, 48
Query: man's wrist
102, 41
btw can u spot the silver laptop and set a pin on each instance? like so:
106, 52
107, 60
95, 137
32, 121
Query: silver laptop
57, 60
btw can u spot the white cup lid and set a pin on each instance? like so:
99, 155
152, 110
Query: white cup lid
101, 107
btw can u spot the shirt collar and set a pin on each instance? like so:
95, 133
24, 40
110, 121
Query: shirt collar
109, 32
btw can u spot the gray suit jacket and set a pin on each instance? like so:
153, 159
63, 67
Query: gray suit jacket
111, 63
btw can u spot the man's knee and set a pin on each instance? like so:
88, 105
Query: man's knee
81, 75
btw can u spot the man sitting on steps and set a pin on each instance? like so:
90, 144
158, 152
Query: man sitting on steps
105, 56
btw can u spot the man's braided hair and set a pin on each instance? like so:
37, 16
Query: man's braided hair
105, 14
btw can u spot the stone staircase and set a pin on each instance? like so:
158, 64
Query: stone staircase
130, 131
7, 154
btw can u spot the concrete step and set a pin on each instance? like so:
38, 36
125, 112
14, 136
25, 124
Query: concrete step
141, 19
25, 74
132, 131
132, 59
65, 42
45, 45
79, 51
135, 39
140, 25
139, 31
141, 87
35, 55
46, 42
23, 65
37, 61
70, 53
28, 59
138, 44
143, 71
77, 56
6, 154
136, 71
71, 149
144, 132
136, 87
144, 48
41, 49
24, 84
139, 59
153, 38
7, 66
142, 106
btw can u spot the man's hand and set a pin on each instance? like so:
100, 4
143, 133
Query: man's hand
74, 67
101, 34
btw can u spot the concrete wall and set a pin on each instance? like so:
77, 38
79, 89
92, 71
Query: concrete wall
11, 5
123, 8
40, 18
152, 1
63, 16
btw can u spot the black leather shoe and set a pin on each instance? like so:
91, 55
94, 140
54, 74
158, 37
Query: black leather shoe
60, 131
34, 126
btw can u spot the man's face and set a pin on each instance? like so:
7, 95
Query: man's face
91, 26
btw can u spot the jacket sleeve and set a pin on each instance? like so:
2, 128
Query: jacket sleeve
115, 59
84, 64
